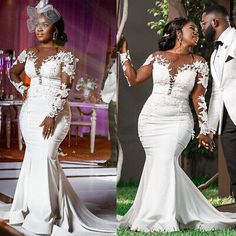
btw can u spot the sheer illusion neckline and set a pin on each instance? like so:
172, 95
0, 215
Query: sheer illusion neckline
180, 54
175, 68
44, 60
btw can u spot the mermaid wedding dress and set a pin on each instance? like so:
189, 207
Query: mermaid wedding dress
44, 199
166, 199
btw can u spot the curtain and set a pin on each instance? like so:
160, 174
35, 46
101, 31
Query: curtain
90, 26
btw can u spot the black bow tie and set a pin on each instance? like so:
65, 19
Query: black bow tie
217, 44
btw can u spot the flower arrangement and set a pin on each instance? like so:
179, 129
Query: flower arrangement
86, 83
86, 86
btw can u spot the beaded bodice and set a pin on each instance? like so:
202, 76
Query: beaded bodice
177, 78
50, 77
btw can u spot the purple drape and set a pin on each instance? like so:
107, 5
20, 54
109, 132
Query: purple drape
90, 26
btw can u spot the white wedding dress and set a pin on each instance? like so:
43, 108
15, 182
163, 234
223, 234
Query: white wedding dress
166, 199
44, 200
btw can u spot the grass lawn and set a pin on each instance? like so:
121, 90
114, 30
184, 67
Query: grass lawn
126, 194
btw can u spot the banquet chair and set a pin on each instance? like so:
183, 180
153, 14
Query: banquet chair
81, 122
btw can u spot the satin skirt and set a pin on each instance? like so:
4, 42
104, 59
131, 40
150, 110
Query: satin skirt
44, 198
166, 199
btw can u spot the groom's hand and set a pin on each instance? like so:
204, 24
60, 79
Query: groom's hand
206, 141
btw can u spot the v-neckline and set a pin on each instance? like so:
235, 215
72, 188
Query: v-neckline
47, 58
167, 63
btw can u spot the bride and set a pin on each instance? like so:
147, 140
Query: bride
166, 199
44, 199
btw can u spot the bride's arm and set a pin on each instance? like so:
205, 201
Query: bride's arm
133, 76
67, 76
15, 72
200, 107
59, 101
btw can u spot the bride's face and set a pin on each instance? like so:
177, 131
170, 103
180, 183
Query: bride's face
190, 34
44, 30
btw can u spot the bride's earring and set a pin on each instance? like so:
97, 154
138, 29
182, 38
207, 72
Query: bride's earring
55, 35
180, 40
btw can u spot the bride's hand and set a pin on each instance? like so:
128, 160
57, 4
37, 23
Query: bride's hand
206, 141
48, 127
122, 44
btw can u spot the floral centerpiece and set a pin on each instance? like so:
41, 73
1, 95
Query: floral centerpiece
86, 85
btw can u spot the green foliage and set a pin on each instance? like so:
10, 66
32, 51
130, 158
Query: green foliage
160, 13
193, 9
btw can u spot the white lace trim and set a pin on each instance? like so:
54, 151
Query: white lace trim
59, 101
20, 87
67, 58
198, 66
21, 58
123, 58
203, 115
149, 60
203, 70
69, 65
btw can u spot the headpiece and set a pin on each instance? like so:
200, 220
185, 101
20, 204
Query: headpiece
45, 9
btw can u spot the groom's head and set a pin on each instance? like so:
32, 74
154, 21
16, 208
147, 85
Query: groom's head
215, 19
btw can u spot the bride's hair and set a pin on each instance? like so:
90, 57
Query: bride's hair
168, 39
61, 37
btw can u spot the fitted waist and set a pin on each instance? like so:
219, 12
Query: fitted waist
168, 99
39, 105
175, 93
42, 90
166, 105
51, 82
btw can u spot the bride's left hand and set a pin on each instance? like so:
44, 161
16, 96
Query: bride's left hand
48, 127
206, 141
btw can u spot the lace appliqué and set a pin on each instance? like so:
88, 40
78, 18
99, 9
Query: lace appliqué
69, 64
20, 87
202, 107
66, 58
123, 58
203, 70
21, 58
163, 61
197, 66
59, 101
149, 60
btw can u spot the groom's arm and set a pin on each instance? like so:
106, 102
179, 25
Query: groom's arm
214, 107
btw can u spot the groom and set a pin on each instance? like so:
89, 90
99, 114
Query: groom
222, 108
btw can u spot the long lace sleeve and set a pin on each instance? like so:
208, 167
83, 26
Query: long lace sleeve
198, 95
67, 76
15, 71
136, 77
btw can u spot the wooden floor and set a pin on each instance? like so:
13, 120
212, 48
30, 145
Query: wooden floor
79, 152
